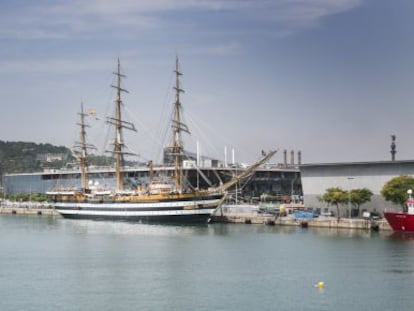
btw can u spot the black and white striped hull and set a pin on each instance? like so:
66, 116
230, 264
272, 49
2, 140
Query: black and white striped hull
170, 211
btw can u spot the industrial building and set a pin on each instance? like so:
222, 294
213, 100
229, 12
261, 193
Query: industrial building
275, 180
281, 181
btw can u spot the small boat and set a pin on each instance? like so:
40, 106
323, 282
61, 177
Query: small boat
402, 221
159, 201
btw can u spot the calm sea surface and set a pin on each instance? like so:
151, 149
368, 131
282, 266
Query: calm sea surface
56, 264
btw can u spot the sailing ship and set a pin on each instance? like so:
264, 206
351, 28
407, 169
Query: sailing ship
402, 221
159, 201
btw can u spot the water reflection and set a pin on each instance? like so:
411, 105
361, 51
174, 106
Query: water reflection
401, 236
131, 228
346, 233
401, 270
84, 227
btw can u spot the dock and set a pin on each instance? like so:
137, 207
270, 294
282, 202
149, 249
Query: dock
318, 222
229, 216
27, 208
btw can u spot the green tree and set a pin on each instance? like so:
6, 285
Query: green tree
395, 190
18, 157
335, 196
25, 197
358, 197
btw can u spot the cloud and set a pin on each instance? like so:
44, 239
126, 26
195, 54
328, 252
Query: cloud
290, 16
230, 48
106, 7
295, 15
50, 20
72, 20
52, 66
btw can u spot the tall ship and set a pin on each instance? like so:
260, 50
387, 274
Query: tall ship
161, 200
402, 221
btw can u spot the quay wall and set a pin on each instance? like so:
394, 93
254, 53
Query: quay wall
27, 208
319, 222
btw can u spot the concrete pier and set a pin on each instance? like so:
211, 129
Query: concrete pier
27, 208
319, 222
29, 211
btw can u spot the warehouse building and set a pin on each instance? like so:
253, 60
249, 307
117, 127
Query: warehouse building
316, 178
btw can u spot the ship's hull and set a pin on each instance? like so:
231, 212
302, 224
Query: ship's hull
400, 222
176, 211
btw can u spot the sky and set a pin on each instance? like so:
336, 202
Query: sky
331, 78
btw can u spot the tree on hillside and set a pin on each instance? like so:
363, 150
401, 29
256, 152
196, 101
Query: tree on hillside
335, 196
357, 197
19, 157
395, 190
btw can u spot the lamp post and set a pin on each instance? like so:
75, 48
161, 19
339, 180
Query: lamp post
409, 201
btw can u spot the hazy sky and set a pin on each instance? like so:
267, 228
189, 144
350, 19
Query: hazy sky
332, 78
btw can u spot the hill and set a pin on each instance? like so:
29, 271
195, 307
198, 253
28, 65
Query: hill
28, 157
19, 157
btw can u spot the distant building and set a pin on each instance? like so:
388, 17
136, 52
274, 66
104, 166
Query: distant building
168, 159
316, 178
50, 157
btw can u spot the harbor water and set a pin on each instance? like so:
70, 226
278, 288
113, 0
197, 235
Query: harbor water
49, 263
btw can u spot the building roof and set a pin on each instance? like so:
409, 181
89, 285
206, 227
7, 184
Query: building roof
366, 163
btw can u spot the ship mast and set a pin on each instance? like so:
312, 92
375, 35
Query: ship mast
82, 154
119, 125
177, 127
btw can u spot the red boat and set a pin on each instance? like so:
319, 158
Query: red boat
402, 221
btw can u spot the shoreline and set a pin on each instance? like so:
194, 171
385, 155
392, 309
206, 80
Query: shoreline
234, 217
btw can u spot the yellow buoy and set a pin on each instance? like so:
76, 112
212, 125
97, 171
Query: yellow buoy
320, 284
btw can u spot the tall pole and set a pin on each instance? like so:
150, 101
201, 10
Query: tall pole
82, 146
198, 165
118, 131
225, 156
117, 121
177, 127
119, 124
83, 153
349, 195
